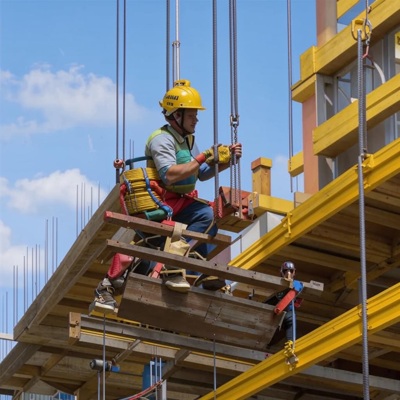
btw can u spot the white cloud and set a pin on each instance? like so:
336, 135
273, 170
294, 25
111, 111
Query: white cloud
22, 266
61, 100
5, 233
6, 77
8, 255
59, 188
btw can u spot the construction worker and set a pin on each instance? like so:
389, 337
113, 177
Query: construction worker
173, 152
288, 271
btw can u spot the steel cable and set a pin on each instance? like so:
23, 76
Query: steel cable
215, 99
361, 158
290, 104
234, 118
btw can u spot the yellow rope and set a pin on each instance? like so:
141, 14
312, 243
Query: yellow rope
137, 174
137, 198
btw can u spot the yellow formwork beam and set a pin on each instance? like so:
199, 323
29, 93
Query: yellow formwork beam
296, 164
343, 6
303, 90
336, 335
334, 197
342, 48
341, 131
262, 203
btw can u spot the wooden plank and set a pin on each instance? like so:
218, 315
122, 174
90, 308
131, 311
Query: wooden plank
75, 263
233, 223
164, 229
200, 313
227, 272
15, 359
136, 333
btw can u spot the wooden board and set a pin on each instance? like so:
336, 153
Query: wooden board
200, 313
166, 229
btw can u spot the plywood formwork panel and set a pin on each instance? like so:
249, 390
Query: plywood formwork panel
200, 313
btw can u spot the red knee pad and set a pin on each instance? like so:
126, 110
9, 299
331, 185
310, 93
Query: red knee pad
119, 264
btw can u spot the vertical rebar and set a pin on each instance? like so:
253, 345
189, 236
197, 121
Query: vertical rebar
361, 158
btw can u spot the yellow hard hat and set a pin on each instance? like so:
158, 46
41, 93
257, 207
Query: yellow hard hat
182, 95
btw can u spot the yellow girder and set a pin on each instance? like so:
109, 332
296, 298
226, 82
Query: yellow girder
343, 6
262, 203
342, 48
341, 192
296, 164
336, 335
341, 131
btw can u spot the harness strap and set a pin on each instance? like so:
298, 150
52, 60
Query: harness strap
162, 205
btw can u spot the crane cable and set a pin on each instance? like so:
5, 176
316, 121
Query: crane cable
290, 104
361, 31
234, 117
167, 52
176, 46
117, 100
215, 100
117, 145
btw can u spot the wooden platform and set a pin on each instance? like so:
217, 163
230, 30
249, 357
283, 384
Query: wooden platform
200, 313
220, 241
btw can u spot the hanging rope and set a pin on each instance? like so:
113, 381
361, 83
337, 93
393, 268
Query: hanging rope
149, 390
234, 118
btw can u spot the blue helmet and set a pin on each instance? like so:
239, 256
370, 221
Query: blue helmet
288, 266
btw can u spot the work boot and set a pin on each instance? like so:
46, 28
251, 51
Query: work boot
104, 299
176, 282
210, 282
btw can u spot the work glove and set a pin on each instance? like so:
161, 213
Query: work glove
224, 155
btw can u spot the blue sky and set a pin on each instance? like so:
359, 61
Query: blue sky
58, 95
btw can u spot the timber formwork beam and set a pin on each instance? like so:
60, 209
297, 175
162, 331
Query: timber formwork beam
183, 352
334, 336
202, 313
78, 259
212, 268
130, 332
220, 241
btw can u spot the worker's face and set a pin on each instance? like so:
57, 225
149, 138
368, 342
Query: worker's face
288, 274
190, 120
